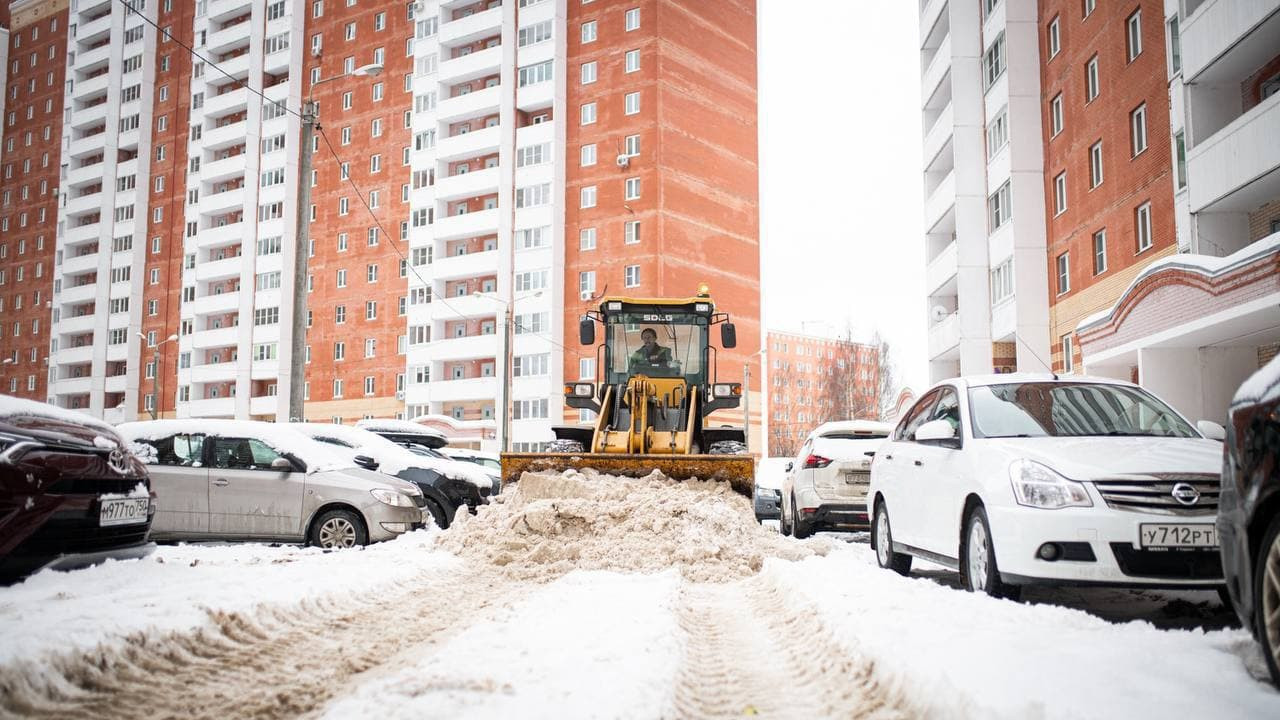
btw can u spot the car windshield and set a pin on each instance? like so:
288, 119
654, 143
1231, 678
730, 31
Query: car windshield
1066, 409
656, 344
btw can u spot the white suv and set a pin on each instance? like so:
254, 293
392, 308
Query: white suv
1017, 479
826, 485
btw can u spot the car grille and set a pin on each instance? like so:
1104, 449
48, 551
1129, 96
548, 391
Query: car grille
80, 536
1203, 564
1154, 493
94, 486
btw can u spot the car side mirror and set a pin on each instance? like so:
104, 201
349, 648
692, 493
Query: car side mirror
728, 336
939, 432
789, 466
366, 462
282, 463
1211, 430
587, 331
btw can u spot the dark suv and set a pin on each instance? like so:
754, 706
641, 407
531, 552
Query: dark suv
1249, 510
71, 494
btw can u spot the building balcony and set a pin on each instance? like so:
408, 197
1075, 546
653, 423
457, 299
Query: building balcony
469, 306
228, 168
88, 145
1244, 155
474, 144
938, 137
89, 30
212, 407
472, 105
227, 102
220, 337
79, 294
1221, 34
91, 116
220, 10
228, 38
219, 269
481, 388
470, 29
940, 202
214, 372
264, 405
534, 97
934, 73
218, 236
84, 203
81, 175
217, 138
453, 267
210, 304
1004, 320
80, 264
82, 233
118, 353
944, 337
456, 227
76, 325
941, 269
120, 383
471, 67
225, 201
87, 89
73, 356
474, 347
468, 185
929, 17
73, 386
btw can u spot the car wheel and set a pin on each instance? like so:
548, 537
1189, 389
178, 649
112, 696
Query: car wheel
978, 571
338, 529
798, 527
1266, 601
438, 515
784, 526
882, 540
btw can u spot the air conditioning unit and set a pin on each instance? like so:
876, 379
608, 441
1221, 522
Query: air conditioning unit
316, 52
586, 294
623, 161
400, 395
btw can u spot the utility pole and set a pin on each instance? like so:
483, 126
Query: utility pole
155, 380
506, 377
746, 404
301, 249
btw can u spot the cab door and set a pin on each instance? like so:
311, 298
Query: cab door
941, 474
181, 481
895, 468
247, 497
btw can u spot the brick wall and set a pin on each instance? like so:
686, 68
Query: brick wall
1251, 88
1261, 221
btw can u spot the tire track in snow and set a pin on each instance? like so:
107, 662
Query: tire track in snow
755, 649
269, 663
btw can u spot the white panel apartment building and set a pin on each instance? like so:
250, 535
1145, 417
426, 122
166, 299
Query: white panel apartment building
984, 204
489, 154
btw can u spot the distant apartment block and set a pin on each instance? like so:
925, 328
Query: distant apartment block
812, 380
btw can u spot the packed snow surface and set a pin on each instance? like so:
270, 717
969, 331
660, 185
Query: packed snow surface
583, 595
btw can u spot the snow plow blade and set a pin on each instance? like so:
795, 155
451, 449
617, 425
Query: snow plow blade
737, 470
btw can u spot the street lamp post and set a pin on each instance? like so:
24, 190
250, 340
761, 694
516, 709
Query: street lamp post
508, 328
298, 330
746, 395
155, 373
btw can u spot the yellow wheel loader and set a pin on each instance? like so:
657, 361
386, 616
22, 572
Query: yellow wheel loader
656, 390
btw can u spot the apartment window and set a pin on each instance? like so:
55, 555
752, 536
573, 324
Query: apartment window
631, 276
1002, 282
1091, 79
1055, 42
632, 146
371, 273
534, 33
999, 207
993, 62
350, 33
1180, 159
1068, 354
1134, 34
588, 72
589, 31
531, 238
533, 195
337, 388
631, 21
342, 278
1089, 5
588, 113
531, 155
587, 239
1142, 226
632, 103
587, 284
1100, 252
632, 61
1174, 34
586, 368
1095, 165
998, 132
588, 155
631, 232
632, 189
1064, 275
1055, 115
1138, 126
1060, 193
588, 197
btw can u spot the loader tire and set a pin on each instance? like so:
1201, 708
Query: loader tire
728, 447
565, 446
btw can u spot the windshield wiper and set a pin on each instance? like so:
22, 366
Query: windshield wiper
1126, 433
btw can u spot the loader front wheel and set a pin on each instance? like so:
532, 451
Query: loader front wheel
565, 446
728, 447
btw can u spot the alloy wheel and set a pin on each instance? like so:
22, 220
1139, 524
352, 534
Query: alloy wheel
977, 554
337, 532
883, 548
1270, 624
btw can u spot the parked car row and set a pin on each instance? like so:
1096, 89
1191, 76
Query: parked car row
74, 491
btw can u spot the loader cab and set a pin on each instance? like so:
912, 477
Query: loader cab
658, 343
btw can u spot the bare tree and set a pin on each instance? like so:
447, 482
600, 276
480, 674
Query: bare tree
885, 378
846, 395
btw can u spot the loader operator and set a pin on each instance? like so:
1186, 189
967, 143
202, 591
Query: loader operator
651, 354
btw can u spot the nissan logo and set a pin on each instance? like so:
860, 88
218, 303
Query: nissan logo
116, 461
1185, 494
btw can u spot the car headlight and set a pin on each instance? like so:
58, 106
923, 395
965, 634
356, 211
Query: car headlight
765, 493
1036, 485
391, 497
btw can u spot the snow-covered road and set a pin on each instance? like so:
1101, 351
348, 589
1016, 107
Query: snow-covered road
590, 597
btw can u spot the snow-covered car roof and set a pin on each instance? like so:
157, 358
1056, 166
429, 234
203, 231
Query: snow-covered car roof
406, 427
392, 458
1260, 387
283, 438
19, 407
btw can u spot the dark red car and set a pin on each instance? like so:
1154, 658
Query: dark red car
71, 494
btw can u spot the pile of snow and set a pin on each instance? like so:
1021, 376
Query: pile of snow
550, 524
392, 459
283, 438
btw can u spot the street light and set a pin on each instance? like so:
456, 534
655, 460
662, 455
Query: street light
507, 327
298, 331
155, 376
746, 395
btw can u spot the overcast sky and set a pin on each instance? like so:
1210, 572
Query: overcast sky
840, 184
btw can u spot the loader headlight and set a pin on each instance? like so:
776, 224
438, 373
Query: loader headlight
1036, 485
725, 390
579, 390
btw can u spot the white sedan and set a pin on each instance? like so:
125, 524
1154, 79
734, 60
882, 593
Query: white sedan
1019, 479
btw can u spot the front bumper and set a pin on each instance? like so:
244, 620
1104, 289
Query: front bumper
401, 519
767, 506
1111, 536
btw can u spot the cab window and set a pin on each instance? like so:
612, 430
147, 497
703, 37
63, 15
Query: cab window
180, 450
243, 454
948, 408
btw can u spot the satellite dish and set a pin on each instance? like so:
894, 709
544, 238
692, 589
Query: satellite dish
938, 313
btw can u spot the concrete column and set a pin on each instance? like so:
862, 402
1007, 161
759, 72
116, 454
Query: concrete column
1222, 370
1174, 374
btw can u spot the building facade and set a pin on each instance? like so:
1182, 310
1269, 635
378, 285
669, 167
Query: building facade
987, 303
435, 214
814, 379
